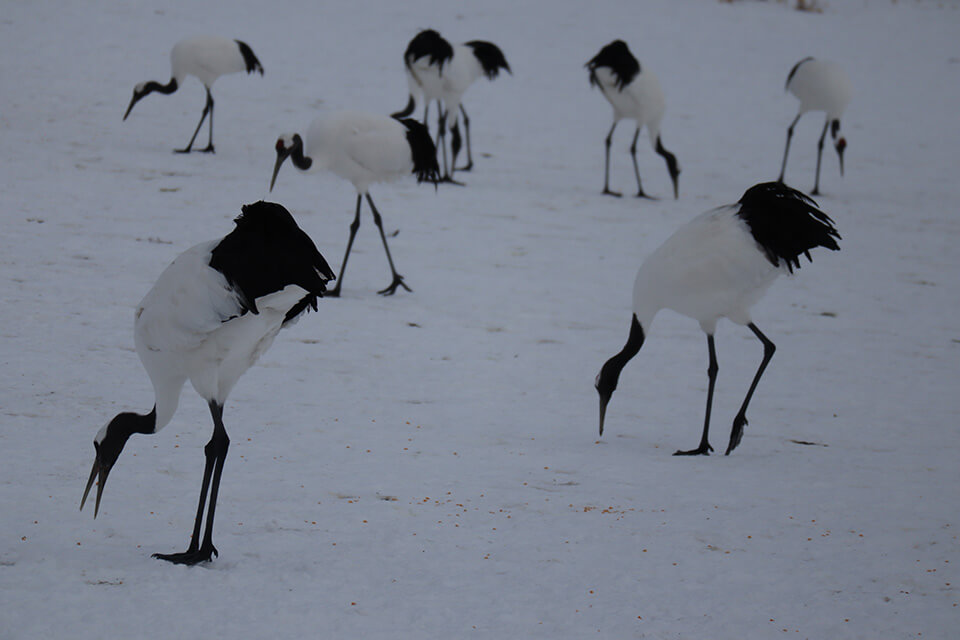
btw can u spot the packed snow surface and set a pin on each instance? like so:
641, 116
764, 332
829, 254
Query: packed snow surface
427, 465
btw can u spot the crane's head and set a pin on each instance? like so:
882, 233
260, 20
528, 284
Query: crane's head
144, 89
605, 384
139, 92
108, 443
289, 144
606, 380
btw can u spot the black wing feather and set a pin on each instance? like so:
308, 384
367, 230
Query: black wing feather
268, 251
428, 43
786, 223
249, 58
617, 57
490, 57
423, 150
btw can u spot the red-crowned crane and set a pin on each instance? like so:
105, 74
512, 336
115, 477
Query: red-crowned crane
362, 148
440, 71
819, 85
206, 58
717, 266
635, 94
207, 319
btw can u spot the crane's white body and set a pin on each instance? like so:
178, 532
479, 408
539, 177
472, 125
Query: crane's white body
821, 85
206, 58
710, 268
191, 326
362, 148
641, 100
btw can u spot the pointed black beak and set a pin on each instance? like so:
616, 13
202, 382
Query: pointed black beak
134, 100
675, 177
282, 154
99, 474
604, 399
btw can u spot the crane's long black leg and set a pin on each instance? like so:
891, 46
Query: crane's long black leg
823, 135
209, 148
220, 443
441, 139
343, 265
208, 105
786, 149
606, 163
442, 146
741, 419
636, 169
216, 454
397, 278
466, 130
705, 448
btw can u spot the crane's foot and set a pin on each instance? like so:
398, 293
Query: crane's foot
207, 149
467, 167
703, 450
615, 194
190, 556
641, 194
449, 180
397, 282
736, 434
815, 192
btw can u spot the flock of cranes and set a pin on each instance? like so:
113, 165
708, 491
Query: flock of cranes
220, 304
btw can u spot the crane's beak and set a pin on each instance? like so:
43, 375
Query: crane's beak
134, 100
604, 399
675, 177
841, 147
282, 154
99, 473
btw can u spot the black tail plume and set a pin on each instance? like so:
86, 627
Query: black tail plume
423, 150
249, 58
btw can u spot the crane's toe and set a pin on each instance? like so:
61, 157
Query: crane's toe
615, 194
397, 282
190, 557
736, 434
703, 450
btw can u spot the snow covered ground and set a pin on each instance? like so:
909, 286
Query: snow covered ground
427, 465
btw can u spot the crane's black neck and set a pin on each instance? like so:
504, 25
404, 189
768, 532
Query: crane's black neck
167, 89
610, 373
130, 423
119, 431
299, 160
